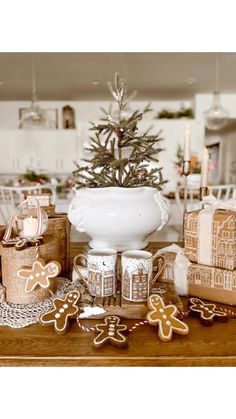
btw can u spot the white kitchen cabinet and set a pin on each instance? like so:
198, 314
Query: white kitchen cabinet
53, 151
68, 150
7, 162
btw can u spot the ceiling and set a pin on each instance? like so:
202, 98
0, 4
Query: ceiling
69, 76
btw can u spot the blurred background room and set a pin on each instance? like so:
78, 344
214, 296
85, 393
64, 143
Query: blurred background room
47, 101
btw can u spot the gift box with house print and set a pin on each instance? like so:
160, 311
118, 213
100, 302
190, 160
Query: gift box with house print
213, 284
210, 237
207, 282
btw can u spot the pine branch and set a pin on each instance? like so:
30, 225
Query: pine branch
107, 165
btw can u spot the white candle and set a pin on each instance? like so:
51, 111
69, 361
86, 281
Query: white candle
204, 168
187, 142
30, 226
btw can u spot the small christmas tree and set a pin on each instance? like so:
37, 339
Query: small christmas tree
120, 157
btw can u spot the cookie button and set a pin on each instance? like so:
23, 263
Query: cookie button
57, 316
111, 333
164, 316
65, 305
43, 273
168, 322
61, 310
161, 310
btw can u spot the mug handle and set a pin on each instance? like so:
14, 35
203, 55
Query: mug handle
156, 256
76, 267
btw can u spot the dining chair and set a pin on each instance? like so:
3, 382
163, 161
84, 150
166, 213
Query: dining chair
11, 196
221, 192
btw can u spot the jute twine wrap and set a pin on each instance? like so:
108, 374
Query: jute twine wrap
12, 260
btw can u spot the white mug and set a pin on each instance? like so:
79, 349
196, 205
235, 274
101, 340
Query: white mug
100, 274
137, 274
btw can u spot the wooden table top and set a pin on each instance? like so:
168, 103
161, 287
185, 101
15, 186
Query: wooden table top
38, 345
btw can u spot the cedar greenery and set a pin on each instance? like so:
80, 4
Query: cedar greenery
120, 157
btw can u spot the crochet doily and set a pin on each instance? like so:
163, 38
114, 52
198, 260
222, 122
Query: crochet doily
22, 315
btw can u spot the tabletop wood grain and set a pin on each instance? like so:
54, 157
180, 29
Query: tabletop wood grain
38, 345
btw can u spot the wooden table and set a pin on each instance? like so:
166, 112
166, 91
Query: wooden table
39, 346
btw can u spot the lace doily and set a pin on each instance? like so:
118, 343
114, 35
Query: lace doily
22, 315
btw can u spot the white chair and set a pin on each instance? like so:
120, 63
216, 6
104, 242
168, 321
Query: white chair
221, 192
11, 196
192, 203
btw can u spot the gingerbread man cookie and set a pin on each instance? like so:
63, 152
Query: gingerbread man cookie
164, 316
110, 332
39, 274
64, 308
207, 312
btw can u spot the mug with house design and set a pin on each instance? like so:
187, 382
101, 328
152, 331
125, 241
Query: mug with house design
100, 273
137, 267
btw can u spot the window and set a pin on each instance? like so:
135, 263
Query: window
218, 279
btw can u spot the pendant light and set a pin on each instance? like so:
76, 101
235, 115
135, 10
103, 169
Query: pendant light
216, 117
34, 116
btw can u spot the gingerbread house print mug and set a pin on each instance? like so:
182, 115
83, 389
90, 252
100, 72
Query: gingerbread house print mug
137, 274
100, 274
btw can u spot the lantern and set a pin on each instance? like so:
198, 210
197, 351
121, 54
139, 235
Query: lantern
30, 220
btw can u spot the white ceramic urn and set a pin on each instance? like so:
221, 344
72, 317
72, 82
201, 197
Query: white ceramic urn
118, 218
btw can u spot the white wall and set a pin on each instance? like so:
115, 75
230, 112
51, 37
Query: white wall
204, 101
85, 110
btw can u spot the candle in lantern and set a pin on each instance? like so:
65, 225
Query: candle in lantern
30, 226
187, 142
204, 168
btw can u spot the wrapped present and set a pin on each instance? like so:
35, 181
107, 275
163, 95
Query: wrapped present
211, 283
59, 226
43, 199
207, 282
210, 234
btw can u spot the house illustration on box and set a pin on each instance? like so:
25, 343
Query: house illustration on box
223, 240
100, 282
135, 286
212, 277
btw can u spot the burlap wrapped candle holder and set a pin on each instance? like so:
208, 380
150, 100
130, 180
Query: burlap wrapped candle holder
13, 259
